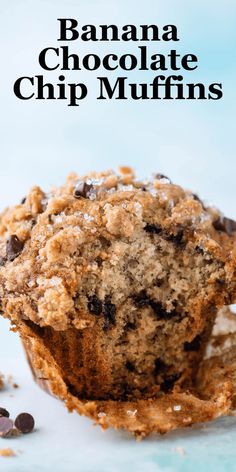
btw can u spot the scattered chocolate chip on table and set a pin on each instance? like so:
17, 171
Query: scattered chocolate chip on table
24, 422
6, 426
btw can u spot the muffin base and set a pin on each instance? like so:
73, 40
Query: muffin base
212, 395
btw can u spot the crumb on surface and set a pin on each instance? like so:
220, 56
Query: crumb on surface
11, 382
7, 452
1, 381
181, 451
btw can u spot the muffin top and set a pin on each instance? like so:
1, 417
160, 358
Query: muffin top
49, 241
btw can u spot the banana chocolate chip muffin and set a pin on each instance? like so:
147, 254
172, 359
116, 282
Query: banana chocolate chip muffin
118, 280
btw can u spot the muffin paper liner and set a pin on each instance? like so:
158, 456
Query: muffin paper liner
213, 394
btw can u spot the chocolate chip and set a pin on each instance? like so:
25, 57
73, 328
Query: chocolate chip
4, 412
153, 229
209, 260
2, 261
33, 222
130, 366
6, 426
219, 224
158, 283
23, 201
194, 345
109, 312
125, 392
196, 197
225, 224
230, 226
14, 247
95, 305
141, 299
221, 282
161, 176
199, 250
99, 261
24, 422
177, 239
82, 189
169, 382
160, 366
130, 326
160, 312
105, 243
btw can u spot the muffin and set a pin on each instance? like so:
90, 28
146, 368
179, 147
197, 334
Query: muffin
118, 281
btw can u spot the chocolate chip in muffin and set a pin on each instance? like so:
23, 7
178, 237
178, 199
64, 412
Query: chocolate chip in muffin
4, 412
33, 222
6, 426
130, 366
99, 261
23, 200
220, 282
160, 312
109, 312
130, 326
226, 225
177, 239
14, 247
2, 261
158, 283
196, 197
199, 250
161, 176
169, 382
160, 366
153, 229
82, 189
24, 422
194, 345
95, 305
142, 299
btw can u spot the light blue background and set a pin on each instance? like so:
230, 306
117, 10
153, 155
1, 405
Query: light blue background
193, 142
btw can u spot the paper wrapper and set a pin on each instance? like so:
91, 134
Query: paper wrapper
212, 395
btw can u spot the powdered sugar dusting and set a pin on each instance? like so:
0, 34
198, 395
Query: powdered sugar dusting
87, 217
125, 188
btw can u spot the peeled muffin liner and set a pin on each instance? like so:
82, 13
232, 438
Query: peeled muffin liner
213, 394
